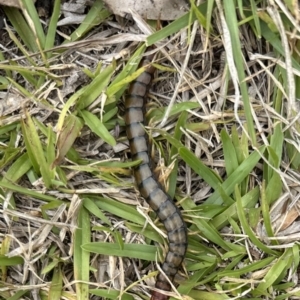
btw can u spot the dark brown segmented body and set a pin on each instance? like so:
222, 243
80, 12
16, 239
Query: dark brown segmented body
150, 189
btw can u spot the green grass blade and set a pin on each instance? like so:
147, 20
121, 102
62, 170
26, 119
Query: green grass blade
237, 176
248, 230
116, 88
29, 192
175, 26
20, 167
145, 252
174, 151
96, 15
248, 201
119, 209
21, 26
56, 287
230, 158
34, 22
273, 274
231, 19
97, 127
96, 87
82, 236
265, 208
35, 149
10, 261
51, 33
110, 294
93, 209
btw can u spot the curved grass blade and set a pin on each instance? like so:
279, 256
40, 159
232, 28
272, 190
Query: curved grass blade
35, 150
97, 126
248, 230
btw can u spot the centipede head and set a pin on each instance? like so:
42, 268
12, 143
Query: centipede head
164, 286
158, 296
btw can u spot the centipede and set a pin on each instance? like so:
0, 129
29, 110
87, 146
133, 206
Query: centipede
149, 187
